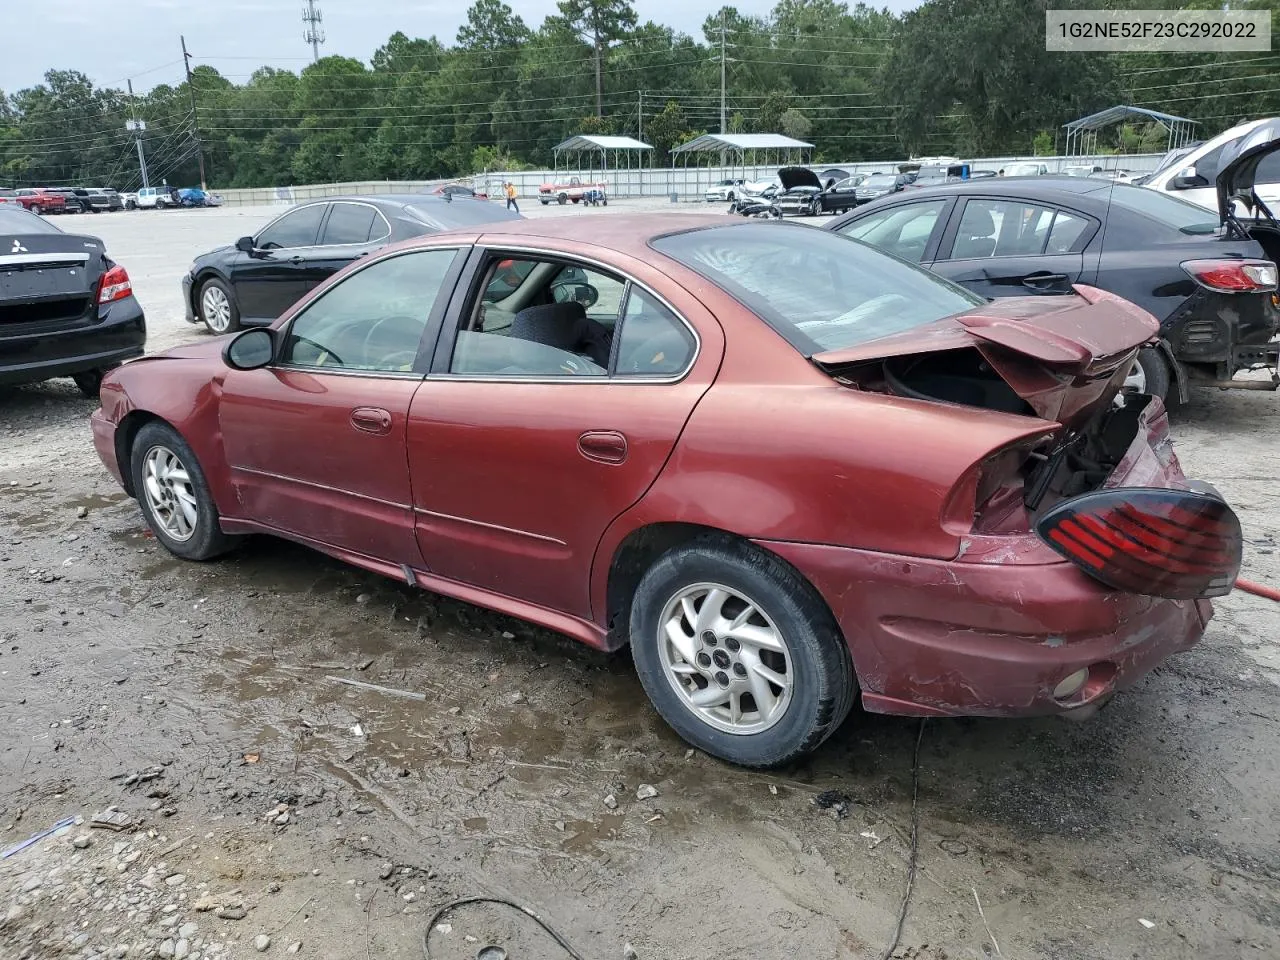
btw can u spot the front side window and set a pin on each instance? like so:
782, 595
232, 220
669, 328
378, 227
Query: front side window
818, 289
374, 319
297, 228
903, 231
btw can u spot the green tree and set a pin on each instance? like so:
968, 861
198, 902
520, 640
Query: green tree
601, 23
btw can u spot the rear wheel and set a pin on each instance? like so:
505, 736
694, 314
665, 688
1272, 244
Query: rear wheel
89, 382
218, 307
739, 654
173, 494
1150, 374
37, 209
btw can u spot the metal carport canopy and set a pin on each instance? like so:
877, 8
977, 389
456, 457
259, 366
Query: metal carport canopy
720, 142
590, 142
1179, 128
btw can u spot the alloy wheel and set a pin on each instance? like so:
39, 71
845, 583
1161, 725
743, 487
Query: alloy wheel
1136, 381
725, 658
170, 495
216, 309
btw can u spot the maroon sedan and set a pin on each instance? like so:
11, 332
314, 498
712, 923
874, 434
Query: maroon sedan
783, 466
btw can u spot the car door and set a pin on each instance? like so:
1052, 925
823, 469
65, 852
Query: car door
841, 196
523, 451
271, 278
999, 247
908, 229
316, 441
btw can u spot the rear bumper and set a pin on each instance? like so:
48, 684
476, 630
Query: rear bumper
932, 637
120, 334
1227, 332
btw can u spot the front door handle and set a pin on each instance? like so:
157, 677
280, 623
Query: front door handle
371, 420
295, 259
603, 446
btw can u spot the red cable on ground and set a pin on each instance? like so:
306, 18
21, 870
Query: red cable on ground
1257, 589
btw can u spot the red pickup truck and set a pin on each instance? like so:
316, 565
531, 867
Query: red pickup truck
575, 190
36, 200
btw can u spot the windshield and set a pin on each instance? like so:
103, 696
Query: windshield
880, 180
819, 290
1170, 211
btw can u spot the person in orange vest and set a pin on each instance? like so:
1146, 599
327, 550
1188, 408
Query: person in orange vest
510, 189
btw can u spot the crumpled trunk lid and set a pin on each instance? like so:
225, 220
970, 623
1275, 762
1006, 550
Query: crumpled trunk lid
1066, 357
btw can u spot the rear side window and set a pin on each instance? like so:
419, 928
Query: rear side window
348, 223
1067, 231
819, 290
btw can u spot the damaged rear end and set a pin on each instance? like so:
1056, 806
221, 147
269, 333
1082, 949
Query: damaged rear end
1095, 554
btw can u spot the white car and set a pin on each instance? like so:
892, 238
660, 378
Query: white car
1193, 176
761, 189
725, 190
1025, 168
153, 198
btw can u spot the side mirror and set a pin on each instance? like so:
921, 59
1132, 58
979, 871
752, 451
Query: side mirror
1188, 179
245, 244
250, 349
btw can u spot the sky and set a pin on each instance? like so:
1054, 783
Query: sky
237, 36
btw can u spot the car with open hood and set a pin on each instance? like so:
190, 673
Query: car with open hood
816, 472
1212, 285
800, 191
1194, 175
254, 280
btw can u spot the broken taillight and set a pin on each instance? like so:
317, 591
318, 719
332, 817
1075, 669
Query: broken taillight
1154, 542
114, 285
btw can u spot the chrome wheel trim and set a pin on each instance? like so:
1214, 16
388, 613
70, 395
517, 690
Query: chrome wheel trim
724, 657
216, 309
1136, 381
171, 498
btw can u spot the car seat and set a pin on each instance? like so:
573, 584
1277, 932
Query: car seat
564, 326
971, 242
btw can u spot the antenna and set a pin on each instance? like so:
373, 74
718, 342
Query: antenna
313, 35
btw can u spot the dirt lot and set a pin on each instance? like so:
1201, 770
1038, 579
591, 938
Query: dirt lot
271, 800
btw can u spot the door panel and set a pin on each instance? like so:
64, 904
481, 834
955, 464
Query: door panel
268, 282
322, 455
516, 482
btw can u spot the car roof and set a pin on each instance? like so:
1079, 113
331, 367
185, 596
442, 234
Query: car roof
628, 233
1061, 189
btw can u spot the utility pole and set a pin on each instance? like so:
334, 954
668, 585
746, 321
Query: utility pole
195, 119
724, 128
137, 127
640, 117
313, 35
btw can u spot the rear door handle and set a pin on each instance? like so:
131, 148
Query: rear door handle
1038, 281
603, 446
295, 259
371, 420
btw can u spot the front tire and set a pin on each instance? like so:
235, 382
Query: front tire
89, 382
739, 654
174, 496
217, 307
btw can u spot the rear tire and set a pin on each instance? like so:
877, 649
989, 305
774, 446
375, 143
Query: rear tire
37, 209
1151, 374
89, 382
758, 600
174, 497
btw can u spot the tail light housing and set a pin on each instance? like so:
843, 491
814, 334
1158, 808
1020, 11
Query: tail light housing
1233, 276
114, 285
1155, 542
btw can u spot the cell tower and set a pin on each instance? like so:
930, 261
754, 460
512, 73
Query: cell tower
313, 35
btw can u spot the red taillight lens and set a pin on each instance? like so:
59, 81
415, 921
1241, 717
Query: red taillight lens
114, 285
1233, 276
1155, 542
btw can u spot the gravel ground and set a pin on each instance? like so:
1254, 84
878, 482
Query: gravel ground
266, 800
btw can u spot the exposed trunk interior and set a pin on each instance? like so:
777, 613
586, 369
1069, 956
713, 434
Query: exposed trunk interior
1268, 237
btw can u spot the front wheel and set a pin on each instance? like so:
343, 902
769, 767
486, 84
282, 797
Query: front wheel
739, 654
562, 199
173, 494
218, 307
89, 382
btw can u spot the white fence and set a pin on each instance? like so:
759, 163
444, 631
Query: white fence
684, 184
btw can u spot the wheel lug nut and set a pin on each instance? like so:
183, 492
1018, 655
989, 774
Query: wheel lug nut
704, 660
739, 670
732, 644
708, 638
721, 659
722, 678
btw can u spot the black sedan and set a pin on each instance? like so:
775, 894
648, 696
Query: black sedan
251, 282
66, 308
1213, 291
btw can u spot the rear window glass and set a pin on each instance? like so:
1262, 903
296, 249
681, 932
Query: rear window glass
1162, 208
819, 290
14, 220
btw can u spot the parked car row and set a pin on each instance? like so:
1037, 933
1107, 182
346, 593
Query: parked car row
42, 200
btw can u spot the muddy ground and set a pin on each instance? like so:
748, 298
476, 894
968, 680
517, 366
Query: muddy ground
199, 698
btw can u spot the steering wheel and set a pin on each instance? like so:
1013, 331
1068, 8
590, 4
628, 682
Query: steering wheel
373, 328
325, 352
